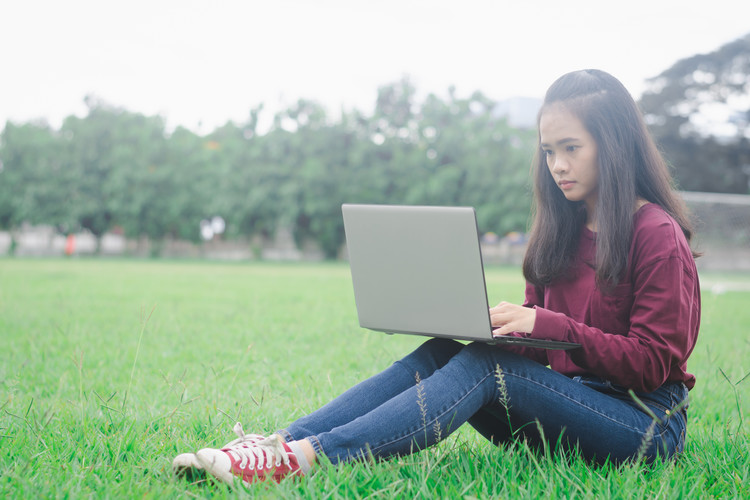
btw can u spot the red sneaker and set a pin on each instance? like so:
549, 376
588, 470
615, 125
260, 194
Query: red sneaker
269, 458
187, 464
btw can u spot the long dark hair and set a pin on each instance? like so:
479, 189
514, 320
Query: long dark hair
630, 167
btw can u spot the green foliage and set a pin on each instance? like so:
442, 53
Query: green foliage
114, 168
115, 165
33, 177
109, 369
709, 156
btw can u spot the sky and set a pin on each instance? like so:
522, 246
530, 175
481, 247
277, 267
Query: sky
201, 63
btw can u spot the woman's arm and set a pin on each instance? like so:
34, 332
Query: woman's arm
640, 334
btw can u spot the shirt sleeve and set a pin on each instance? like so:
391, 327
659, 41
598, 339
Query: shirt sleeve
664, 312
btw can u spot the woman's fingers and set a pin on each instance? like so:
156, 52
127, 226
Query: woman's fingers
507, 318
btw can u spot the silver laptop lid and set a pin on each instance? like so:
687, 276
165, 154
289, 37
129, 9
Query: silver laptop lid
417, 270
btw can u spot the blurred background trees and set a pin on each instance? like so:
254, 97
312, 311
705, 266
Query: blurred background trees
699, 112
116, 170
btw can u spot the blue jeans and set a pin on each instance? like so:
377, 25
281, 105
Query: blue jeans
430, 393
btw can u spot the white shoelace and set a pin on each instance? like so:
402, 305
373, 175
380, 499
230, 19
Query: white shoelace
242, 437
266, 453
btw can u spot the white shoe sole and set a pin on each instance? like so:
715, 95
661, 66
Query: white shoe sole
217, 463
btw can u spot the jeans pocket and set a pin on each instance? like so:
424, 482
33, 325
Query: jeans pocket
668, 403
681, 397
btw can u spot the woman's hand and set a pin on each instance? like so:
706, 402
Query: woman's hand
506, 318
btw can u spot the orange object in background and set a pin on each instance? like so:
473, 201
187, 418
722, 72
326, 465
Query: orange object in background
70, 244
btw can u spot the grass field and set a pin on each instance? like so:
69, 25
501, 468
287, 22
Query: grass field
108, 369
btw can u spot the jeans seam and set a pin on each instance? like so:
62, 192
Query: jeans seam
577, 402
426, 425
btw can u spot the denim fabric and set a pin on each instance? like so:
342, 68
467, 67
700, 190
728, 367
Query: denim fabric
422, 398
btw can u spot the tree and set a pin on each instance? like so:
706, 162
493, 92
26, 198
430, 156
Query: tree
114, 168
117, 160
33, 179
474, 158
699, 114
244, 179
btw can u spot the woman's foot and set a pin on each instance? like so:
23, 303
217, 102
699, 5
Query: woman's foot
269, 458
188, 465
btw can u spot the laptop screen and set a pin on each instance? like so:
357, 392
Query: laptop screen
417, 270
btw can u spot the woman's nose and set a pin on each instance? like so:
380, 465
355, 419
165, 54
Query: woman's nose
560, 165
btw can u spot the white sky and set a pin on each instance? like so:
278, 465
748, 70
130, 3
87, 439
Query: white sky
205, 62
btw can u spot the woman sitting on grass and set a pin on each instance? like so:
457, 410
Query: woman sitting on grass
608, 266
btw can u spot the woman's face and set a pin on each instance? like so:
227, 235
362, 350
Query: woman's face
571, 155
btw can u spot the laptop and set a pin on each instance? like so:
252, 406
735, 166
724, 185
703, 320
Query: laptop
418, 270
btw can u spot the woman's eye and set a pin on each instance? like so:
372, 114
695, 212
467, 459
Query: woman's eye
571, 149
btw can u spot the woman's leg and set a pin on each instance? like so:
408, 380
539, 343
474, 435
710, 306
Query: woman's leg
286, 453
418, 416
482, 381
371, 393
493, 425
603, 422
479, 383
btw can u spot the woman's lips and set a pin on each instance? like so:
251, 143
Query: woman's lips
566, 184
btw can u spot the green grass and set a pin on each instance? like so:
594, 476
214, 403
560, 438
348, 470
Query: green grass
108, 369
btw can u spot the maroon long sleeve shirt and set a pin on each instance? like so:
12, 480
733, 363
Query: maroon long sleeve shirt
638, 335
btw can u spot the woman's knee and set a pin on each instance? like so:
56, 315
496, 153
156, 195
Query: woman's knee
481, 352
491, 358
431, 355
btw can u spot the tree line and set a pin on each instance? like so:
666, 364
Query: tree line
118, 170
114, 169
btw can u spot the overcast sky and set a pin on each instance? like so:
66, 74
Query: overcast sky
205, 62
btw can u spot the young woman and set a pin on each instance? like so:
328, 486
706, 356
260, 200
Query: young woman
608, 266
